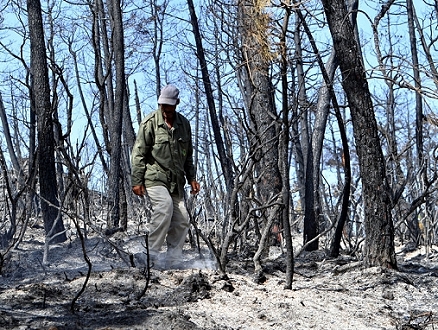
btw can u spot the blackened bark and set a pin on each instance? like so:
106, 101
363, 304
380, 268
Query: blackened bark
116, 116
379, 229
417, 79
283, 151
224, 160
311, 214
311, 210
40, 101
262, 118
343, 216
8, 138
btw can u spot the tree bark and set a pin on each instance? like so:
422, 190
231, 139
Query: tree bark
262, 116
417, 81
40, 100
224, 160
311, 212
7, 135
379, 241
283, 151
116, 116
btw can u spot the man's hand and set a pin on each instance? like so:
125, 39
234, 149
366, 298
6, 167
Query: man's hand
139, 190
195, 187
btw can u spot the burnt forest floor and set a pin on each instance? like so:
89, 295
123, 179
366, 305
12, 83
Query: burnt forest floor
326, 293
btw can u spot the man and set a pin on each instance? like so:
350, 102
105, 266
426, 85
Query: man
162, 161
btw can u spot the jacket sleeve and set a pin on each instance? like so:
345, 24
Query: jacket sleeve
142, 147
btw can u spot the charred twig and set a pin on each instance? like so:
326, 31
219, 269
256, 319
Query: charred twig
147, 269
87, 260
211, 247
420, 321
193, 222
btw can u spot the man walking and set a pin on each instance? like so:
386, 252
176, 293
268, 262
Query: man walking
162, 163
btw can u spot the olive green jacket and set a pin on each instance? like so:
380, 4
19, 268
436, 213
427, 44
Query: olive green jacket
163, 156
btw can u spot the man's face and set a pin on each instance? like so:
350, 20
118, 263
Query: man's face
168, 111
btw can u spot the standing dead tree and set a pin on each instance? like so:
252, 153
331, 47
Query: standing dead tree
40, 101
379, 229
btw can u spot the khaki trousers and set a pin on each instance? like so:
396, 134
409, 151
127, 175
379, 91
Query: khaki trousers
169, 222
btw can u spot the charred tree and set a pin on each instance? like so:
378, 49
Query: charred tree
379, 241
40, 101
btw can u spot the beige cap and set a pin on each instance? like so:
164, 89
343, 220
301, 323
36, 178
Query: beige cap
169, 95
